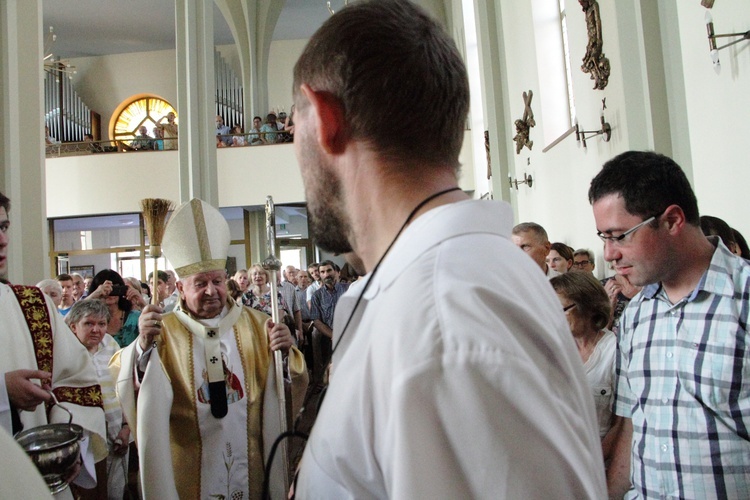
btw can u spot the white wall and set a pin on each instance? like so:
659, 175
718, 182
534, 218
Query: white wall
104, 82
717, 108
671, 101
281, 60
111, 183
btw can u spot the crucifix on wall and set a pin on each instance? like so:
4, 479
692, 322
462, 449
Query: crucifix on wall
523, 126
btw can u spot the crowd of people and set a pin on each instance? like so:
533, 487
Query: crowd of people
275, 129
473, 358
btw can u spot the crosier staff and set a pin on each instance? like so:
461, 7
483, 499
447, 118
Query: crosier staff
273, 265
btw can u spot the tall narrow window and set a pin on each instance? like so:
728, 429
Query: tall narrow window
553, 67
566, 53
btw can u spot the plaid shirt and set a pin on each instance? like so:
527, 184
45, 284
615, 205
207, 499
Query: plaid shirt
684, 378
323, 303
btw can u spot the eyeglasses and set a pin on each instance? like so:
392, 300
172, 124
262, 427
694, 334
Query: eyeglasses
618, 240
582, 263
568, 308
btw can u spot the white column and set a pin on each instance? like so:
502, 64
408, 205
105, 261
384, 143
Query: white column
22, 176
196, 96
252, 23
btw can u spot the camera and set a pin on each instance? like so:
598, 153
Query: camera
119, 290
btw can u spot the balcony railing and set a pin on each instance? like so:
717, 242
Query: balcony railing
150, 144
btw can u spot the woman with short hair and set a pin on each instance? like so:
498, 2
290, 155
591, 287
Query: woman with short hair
88, 320
587, 308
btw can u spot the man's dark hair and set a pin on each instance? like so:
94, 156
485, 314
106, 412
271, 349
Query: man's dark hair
329, 263
64, 277
162, 275
5, 202
397, 75
648, 183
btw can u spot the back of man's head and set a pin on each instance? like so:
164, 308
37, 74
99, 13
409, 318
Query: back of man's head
399, 79
648, 183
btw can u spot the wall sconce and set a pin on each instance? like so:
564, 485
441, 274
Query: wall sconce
606, 131
712, 36
515, 182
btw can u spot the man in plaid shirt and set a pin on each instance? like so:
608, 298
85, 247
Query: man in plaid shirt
683, 364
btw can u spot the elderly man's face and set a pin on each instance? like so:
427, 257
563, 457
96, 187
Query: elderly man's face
205, 294
303, 279
77, 287
534, 246
291, 275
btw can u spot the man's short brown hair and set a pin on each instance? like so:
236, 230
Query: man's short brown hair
399, 79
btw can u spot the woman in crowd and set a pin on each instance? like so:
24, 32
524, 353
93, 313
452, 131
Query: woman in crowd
259, 295
109, 287
560, 257
233, 289
238, 139
289, 123
587, 309
88, 320
51, 288
138, 301
242, 280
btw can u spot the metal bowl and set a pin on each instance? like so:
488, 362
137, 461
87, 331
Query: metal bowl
54, 449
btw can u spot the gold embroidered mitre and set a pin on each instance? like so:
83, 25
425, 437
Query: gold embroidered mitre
196, 239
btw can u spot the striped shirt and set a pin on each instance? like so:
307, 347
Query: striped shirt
683, 376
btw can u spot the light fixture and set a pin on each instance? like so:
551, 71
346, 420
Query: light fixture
54, 65
605, 131
515, 182
712, 36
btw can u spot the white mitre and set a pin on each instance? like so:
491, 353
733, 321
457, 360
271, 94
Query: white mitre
196, 239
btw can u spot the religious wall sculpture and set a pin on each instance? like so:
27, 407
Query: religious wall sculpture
594, 61
523, 126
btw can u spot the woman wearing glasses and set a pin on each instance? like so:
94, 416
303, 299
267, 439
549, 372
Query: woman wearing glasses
587, 309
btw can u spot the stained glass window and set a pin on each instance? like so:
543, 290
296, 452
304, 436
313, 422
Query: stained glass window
146, 111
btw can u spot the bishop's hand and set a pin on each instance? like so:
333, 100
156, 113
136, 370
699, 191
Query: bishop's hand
149, 325
279, 336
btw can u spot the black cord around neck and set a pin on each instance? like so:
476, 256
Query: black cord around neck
377, 266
